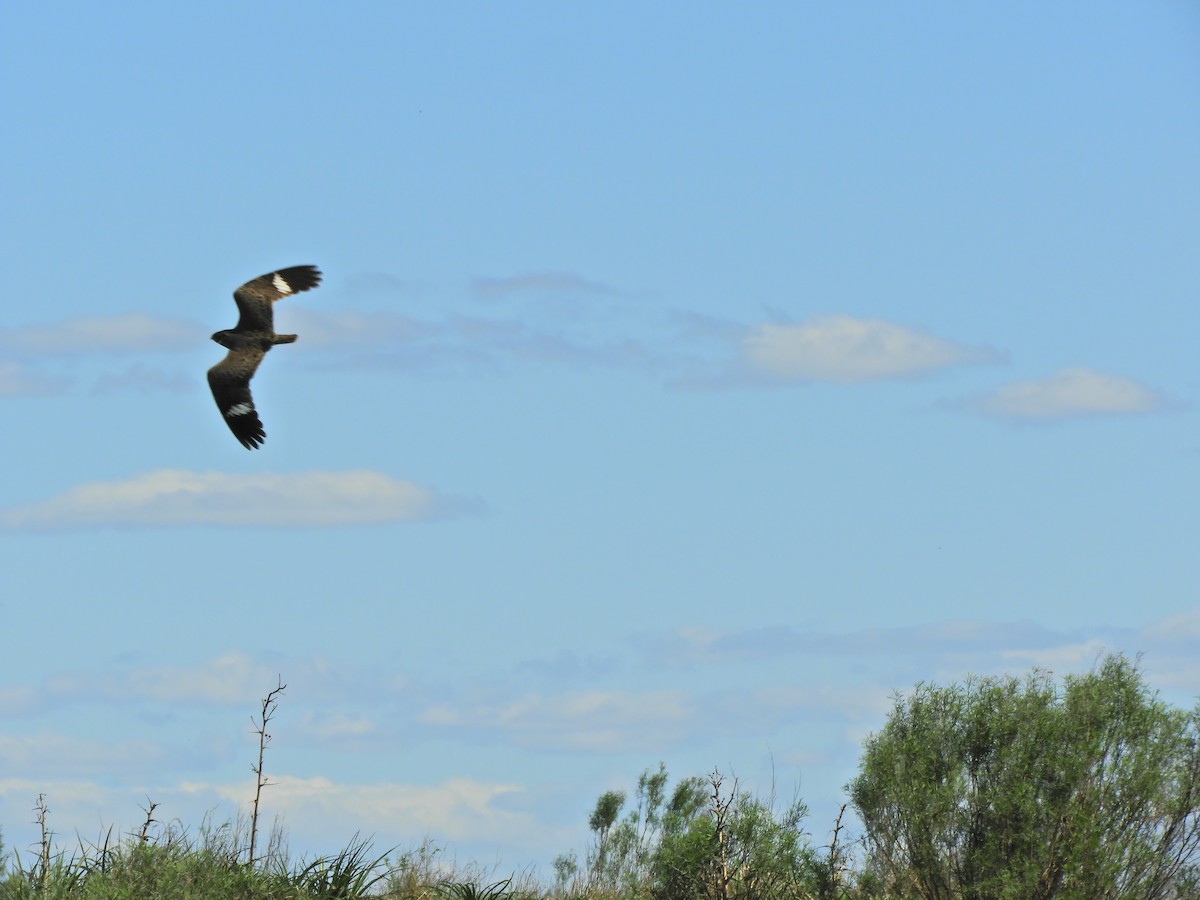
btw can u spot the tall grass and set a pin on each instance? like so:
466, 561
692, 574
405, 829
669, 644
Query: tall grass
171, 863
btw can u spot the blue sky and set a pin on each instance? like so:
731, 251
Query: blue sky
686, 379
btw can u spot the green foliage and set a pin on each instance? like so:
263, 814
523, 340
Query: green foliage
608, 807
464, 890
738, 848
173, 865
621, 857
169, 864
692, 842
566, 872
346, 876
1001, 788
685, 865
411, 874
173, 870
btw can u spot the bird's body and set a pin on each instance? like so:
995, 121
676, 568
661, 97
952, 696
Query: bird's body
248, 343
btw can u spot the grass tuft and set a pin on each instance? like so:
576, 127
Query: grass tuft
346, 876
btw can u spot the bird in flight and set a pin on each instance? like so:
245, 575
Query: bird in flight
248, 343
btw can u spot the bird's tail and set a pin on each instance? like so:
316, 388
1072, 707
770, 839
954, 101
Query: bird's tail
284, 338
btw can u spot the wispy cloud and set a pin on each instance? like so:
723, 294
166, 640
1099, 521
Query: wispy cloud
102, 334
385, 341
538, 283
335, 726
689, 349
699, 646
456, 809
854, 702
593, 721
679, 346
846, 349
230, 679
1181, 627
80, 799
377, 283
17, 699
144, 380
17, 380
178, 497
1067, 393
949, 650
69, 341
650, 721
1067, 657
353, 330
66, 756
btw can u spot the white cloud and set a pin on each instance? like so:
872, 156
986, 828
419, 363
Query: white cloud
1070, 392
699, 646
866, 701
60, 794
458, 809
846, 349
597, 721
1063, 658
231, 678
1172, 652
105, 334
1181, 627
321, 812
651, 721
178, 497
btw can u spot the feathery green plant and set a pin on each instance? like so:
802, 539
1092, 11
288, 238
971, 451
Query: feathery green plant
346, 876
464, 890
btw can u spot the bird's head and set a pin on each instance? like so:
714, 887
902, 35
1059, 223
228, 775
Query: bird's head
222, 338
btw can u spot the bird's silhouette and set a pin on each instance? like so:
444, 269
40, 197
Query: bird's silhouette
248, 343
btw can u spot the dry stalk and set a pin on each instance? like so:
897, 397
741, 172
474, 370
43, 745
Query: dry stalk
837, 859
42, 811
719, 808
269, 704
144, 834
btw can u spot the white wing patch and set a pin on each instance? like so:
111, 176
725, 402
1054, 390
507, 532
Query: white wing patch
280, 285
238, 409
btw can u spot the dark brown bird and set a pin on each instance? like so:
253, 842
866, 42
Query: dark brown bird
248, 343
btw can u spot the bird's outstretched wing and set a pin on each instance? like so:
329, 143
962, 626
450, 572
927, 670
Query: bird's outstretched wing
230, 383
254, 298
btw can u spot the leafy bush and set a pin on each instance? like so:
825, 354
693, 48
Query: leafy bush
701, 841
1004, 788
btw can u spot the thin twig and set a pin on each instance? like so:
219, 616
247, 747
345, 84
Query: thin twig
269, 705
